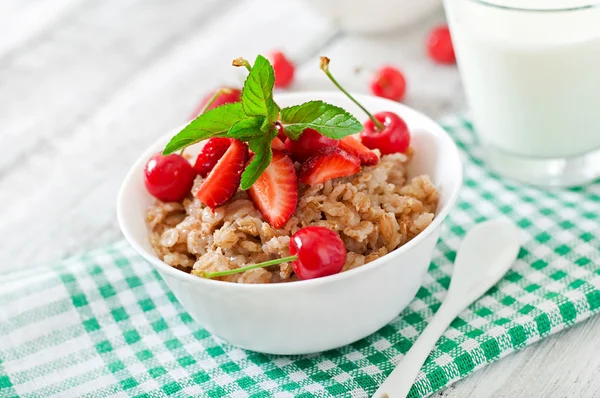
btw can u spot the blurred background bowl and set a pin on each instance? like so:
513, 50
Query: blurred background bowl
374, 16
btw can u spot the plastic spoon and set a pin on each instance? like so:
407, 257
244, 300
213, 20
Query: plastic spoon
486, 253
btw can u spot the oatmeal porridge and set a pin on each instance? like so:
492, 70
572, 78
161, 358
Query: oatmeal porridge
374, 212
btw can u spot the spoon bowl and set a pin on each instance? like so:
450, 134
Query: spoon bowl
486, 253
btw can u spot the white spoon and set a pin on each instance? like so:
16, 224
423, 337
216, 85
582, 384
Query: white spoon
486, 253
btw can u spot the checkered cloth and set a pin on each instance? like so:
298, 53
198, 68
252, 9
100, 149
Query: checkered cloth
105, 324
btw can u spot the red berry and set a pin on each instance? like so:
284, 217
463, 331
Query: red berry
389, 83
394, 138
309, 143
280, 131
212, 151
328, 164
224, 179
321, 252
354, 147
168, 178
439, 45
284, 69
235, 95
275, 193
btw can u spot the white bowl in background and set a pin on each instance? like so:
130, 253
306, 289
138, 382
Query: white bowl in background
375, 16
319, 314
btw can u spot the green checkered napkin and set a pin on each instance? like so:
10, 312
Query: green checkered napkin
105, 324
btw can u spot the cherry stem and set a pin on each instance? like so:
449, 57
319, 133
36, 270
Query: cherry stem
209, 275
217, 94
325, 68
242, 62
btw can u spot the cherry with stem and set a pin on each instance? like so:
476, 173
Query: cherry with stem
315, 252
325, 68
385, 131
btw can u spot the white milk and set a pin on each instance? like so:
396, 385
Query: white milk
532, 79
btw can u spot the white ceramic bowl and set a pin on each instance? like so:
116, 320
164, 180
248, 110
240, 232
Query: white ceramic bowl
320, 314
375, 16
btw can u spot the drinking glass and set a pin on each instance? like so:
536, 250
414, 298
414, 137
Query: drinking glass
531, 73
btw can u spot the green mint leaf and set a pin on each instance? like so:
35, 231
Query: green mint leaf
213, 123
266, 126
247, 129
261, 146
257, 94
329, 120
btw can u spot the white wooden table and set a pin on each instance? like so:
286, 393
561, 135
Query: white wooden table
85, 85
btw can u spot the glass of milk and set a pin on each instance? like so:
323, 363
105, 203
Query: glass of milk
531, 72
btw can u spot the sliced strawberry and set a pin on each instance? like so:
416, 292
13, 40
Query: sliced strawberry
277, 144
224, 179
328, 164
213, 150
354, 147
275, 193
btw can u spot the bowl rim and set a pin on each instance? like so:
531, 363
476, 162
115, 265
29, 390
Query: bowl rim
167, 269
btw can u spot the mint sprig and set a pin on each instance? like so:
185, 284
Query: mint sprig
252, 120
329, 120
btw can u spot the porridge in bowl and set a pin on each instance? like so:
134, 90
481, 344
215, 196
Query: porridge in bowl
374, 212
263, 183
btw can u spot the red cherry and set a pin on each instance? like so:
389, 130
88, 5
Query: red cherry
169, 178
280, 131
309, 143
320, 251
284, 69
439, 45
394, 137
389, 83
234, 95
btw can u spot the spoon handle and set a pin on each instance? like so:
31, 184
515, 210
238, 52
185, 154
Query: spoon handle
399, 382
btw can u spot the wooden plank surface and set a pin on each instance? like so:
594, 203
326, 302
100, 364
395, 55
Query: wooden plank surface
86, 85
